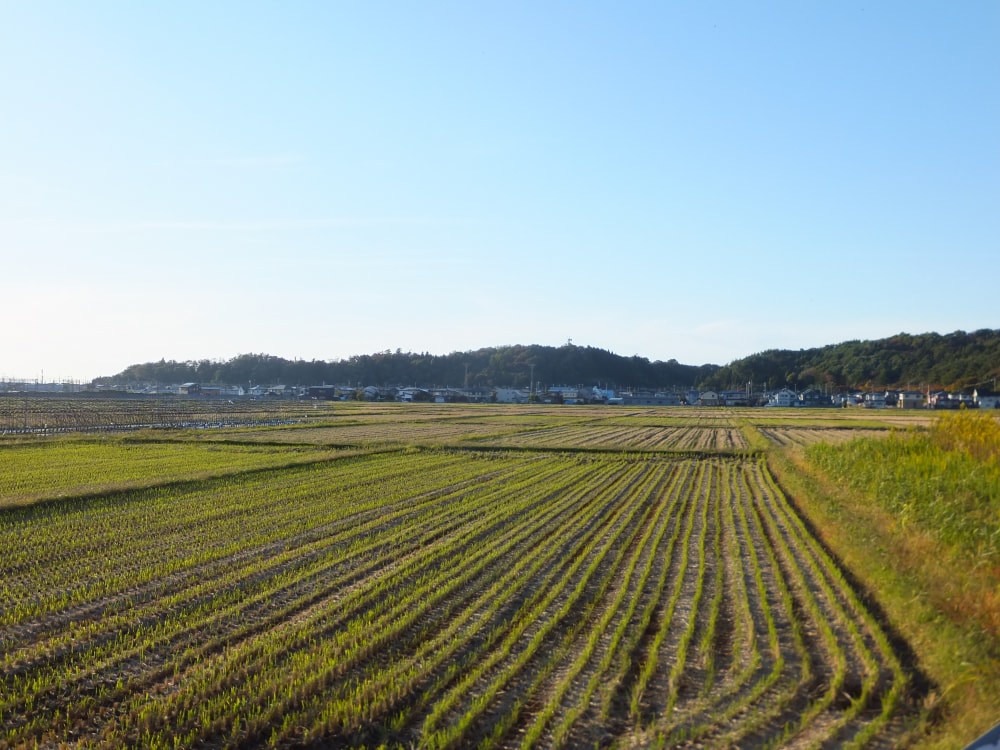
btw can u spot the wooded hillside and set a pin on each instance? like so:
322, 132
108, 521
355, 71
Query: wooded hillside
506, 366
954, 361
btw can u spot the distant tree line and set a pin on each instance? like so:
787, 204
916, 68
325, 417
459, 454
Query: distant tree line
954, 361
506, 366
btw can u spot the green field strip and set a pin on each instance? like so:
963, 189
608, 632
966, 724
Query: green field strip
601, 640
712, 650
664, 687
440, 432
132, 592
496, 633
87, 467
319, 536
667, 418
523, 642
311, 633
825, 656
709, 645
803, 436
790, 553
549, 593
682, 671
583, 614
839, 419
881, 673
675, 650
828, 578
679, 440
643, 706
795, 651
700, 686
617, 695
771, 680
173, 535
608, 681
741, 677
299, 646
451, 643
693, 688
54, 414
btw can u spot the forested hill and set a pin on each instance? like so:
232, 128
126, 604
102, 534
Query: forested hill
506, 366
953, 361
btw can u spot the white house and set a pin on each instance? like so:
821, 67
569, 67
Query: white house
511, 396
986, 399
784, 397
709, 398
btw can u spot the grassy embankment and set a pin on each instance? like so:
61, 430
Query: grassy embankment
915, 515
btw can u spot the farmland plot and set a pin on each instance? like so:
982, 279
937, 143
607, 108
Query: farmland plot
803, 436
369, 433
438, 599
623, 437
20, 414
74, 467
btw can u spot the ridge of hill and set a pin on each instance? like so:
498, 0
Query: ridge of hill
954, 361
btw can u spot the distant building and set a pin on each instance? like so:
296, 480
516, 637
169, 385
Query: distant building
909, 400
733, 398
410, 395
568, 394
986, 399
511, 395
814, 398
941, 400
709, 398
651, 399
783, 398
874, 401
324, 392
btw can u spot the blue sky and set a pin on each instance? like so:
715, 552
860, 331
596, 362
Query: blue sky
692, 180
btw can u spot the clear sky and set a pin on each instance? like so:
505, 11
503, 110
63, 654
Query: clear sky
688, 180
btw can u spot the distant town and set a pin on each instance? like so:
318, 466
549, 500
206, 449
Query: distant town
560, 394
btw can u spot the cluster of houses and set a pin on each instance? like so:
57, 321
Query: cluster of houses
894, 399
783, 397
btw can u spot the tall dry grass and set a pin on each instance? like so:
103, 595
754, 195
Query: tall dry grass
944, 481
